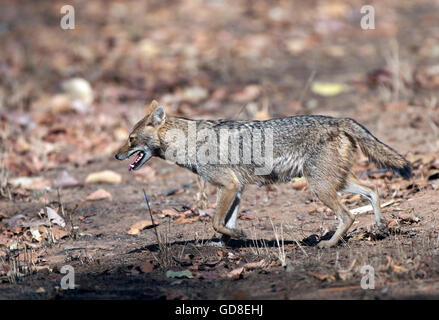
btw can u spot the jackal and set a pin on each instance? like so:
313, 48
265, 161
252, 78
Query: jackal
322, 149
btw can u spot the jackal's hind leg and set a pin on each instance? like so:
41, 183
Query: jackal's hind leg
231, 216
227, 208
353, 185
346, 219
331, 199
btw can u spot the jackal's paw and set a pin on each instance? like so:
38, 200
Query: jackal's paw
239, 234
222, 242
225, 239
383, 231
325, 244
382, 224
219, 244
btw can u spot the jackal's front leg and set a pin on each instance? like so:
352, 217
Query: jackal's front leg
227, 205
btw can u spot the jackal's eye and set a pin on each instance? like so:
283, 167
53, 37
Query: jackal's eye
131, 139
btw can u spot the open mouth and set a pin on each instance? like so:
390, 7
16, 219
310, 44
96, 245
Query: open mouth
142, 155
139, 160
136, 164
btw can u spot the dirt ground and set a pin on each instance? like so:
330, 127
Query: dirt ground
212, 59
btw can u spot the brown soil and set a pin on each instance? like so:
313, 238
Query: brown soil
109, 263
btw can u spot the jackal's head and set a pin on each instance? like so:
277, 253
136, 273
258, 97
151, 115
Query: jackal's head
144, 139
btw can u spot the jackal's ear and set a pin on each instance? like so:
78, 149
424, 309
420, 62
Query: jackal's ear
158, 116
151, 107
154, 104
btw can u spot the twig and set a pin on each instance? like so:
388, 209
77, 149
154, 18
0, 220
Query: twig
164, 204
61, 207
307, 85
240, 111
368, 207
281, 248
152, 219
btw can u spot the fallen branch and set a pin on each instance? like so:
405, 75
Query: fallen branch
368, 208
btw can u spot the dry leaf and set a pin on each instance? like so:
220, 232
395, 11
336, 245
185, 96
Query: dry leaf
99, 195
147, 266
59, 233
323, 277
53, 216
106, 176
64, 179
255, 265
328, 89
186, 220
79, 92
36, 235
245, 216
141, 225
236, 273
34, 183
353, 199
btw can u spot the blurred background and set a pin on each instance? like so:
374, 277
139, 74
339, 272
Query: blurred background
69, 97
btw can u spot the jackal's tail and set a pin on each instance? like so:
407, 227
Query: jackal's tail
380, 153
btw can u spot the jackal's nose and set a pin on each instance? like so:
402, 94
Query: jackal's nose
116, 156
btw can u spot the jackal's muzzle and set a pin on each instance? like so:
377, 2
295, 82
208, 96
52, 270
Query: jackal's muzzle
143, 155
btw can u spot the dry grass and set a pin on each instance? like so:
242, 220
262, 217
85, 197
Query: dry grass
165, 257
279, 235
401, 72
260, 247
18, 261
201, 197
4, 172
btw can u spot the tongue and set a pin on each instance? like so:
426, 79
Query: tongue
134, 162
